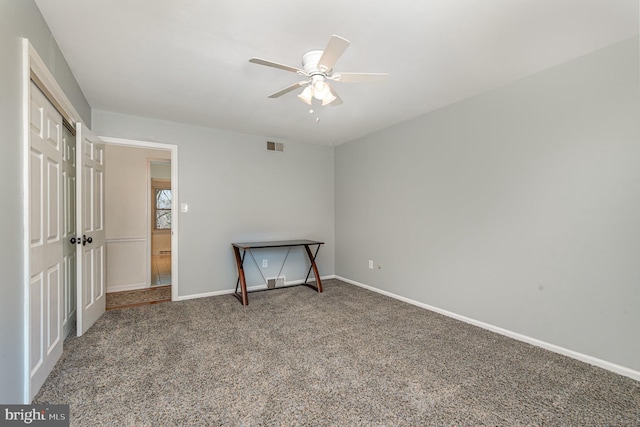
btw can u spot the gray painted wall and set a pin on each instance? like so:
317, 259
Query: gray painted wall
19, 18
237, 191
519, 207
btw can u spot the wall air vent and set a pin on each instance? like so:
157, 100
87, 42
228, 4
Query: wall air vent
275, 146
277, 282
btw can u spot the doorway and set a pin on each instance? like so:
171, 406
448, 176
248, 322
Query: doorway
161, 216
141, 222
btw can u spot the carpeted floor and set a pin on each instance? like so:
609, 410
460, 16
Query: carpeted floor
346, 357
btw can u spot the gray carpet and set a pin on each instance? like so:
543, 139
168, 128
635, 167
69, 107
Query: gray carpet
345, 357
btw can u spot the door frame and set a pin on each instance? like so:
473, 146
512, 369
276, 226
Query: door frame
34, 68
173, 149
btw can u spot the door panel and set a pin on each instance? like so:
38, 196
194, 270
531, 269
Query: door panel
35, 204
54, 315
35, 326
87, 279
53, 201
87, 196
45, 252
90, 214
98, 273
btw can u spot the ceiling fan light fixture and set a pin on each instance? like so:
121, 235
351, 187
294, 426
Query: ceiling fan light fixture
328, 99
317, 67
306, 95
320, 89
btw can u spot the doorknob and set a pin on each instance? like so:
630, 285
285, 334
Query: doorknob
73, 240
86, 239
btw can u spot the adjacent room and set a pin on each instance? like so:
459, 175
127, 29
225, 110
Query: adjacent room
349, 213
138, 213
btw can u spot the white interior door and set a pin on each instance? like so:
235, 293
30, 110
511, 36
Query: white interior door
45, 238
90, 216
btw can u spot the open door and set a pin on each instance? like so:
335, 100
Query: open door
91, 237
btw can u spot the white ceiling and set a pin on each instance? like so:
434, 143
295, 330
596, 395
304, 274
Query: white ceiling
187, 61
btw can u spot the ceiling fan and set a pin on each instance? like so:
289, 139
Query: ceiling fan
317, 67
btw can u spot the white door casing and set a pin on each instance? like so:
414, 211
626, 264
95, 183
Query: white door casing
90, 229
45, 238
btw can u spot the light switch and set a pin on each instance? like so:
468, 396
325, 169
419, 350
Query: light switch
184, 207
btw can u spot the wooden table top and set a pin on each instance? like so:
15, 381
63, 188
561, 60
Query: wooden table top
276, 244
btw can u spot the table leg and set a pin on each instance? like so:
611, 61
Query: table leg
312, 259
243, 298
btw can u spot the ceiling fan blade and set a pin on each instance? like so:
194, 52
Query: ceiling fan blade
288, 89
261, 61
360, 77
335, 48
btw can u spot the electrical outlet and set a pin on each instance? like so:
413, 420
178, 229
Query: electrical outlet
265, 263
370, 264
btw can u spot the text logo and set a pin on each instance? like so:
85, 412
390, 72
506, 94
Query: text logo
34, 415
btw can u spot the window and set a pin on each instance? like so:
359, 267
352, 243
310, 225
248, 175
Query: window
162, 208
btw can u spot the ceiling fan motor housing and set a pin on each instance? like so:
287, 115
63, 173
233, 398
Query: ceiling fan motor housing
310, 63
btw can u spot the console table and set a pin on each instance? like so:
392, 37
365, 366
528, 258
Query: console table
247, 247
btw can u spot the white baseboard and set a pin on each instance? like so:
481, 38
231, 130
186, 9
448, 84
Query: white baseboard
311, 280
622, 370
204, 295
250, 288
127, 287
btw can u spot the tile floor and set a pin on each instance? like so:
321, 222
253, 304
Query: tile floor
138, 297
160, 270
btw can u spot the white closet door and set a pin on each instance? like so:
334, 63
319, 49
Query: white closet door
90, 230
45, 238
